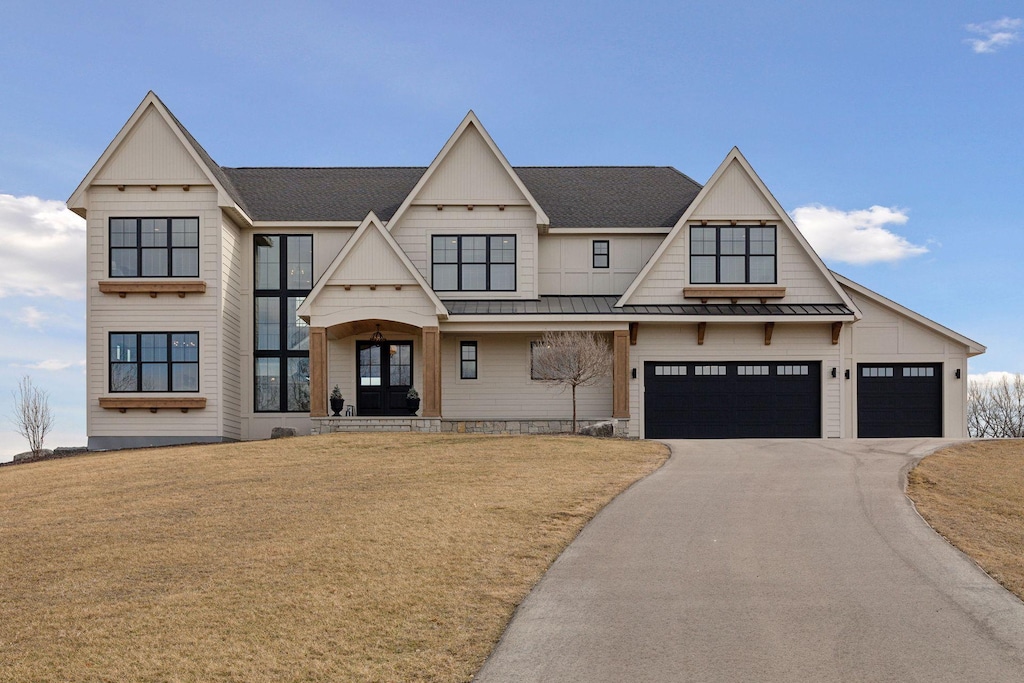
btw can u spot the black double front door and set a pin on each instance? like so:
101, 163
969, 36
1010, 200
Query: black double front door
384, 373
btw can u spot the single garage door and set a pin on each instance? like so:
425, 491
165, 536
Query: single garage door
730, 400
899, 399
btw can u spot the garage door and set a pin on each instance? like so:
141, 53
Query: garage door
899, 399
732, 400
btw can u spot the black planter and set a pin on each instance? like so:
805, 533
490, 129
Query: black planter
413, 404
336, 405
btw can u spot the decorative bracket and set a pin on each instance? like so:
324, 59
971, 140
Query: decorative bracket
768, 329
836, 329
701, 329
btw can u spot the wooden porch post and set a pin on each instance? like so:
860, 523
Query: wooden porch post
620, 374
431, 372
318, 372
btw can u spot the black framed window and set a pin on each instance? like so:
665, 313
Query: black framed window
467, 360
473, 263
154, 361
537, 348
282, 278
740, 254
600, 253
154, 247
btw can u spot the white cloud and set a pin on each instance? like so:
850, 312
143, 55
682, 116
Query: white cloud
43, 249
50, 365
994, 34
992, 378
31, 317
859, 237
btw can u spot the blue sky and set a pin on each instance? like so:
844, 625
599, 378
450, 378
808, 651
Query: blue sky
891, 131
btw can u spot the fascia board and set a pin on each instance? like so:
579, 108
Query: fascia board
470, 118
625, 318
973, 347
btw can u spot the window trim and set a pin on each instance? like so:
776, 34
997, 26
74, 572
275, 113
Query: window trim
746, 255
138, 248
607, 254
282, 294
487, 263
475, 360
138, 363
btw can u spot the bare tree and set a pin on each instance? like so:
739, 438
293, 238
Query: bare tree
572, 359
995, 409
32, 414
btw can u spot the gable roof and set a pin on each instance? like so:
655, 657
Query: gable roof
735, 156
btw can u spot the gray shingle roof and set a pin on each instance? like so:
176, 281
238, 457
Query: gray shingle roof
573, 197
563, 305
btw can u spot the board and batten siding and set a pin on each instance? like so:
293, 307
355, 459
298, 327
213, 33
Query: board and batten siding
232, 275
884, 335
739, 342
503, 388
151, 154
166, 313
415, 232
566, 266
470, 171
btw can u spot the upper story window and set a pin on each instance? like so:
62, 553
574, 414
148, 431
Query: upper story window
154, 247
600, 253
473, 263
154, 361
282, 278
742, 254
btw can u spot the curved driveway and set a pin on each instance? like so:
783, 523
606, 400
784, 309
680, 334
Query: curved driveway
763, 560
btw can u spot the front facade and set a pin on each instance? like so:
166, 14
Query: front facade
224, 302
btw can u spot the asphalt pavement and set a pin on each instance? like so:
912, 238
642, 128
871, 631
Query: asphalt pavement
765, 560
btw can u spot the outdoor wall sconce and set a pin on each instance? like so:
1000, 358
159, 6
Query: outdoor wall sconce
834, 373
958, 373
847, 374
634, 373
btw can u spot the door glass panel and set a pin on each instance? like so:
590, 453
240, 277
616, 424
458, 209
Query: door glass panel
369, 366
400, 365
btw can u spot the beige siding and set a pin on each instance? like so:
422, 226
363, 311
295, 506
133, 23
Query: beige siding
371, 261
470, 172
151, 153
421, 223
327, 243
737, 342
409, 305
886, 336
735, 195
504, 388
565, 263
166, 313
232, 275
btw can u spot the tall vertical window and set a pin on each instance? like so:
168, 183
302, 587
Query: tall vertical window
154, 361
467, 360
154, 247
600, 250
743, 254
282, 278
473, 263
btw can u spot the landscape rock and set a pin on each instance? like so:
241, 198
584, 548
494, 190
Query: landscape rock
605, 429
282, 432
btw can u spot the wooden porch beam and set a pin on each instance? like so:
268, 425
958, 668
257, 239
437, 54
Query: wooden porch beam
620, 373
318, 372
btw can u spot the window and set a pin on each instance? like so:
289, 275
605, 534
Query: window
674, 370
876, 372
154, 361
791, 370
536, 348
752, 370
282, 277
709, 370
600, 248
154, 247
919, 372
732, 255
474, 263
467, 360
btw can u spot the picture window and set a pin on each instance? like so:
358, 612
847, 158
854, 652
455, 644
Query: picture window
154, 247
733, 254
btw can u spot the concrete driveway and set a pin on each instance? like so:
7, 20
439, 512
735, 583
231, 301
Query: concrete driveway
765, 560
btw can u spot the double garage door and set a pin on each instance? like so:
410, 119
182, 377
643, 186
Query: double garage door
732, 400
752, 399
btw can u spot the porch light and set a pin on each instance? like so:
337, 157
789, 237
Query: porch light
377, 338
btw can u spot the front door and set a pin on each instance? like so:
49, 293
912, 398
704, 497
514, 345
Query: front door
385, 375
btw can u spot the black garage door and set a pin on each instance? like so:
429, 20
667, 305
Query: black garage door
732, 400
899, 399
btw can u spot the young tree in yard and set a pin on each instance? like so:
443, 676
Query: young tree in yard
996, 409
32, 414
572, 359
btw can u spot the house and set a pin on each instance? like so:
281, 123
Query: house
223, 302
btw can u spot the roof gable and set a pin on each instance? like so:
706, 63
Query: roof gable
371, 257
734, 192
468, 147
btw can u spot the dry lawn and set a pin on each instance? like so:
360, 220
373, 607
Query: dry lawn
345, 557
973, 494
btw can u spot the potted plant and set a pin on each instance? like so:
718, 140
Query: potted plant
412, 400
337, 401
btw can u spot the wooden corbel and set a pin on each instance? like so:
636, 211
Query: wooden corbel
634, 330
768, 329
701, 329
836, 328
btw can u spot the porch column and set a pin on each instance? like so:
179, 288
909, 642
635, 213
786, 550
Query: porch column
318, 372
620, 374
431, 372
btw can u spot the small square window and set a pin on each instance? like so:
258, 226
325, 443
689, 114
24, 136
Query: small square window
601, 253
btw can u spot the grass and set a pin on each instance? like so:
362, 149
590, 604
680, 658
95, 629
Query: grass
344, 557
973, 494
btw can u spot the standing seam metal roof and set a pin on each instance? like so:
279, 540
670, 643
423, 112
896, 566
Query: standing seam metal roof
605, 305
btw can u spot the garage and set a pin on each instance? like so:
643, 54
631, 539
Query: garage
899, 400
730, 400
